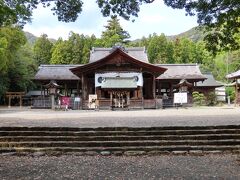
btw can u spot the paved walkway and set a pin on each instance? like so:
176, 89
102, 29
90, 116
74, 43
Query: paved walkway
140, 118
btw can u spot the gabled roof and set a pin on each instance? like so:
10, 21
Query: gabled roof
135, 52
56, 72
127, 58
33, 93
181, 71
233, 75
209, 82
184, 82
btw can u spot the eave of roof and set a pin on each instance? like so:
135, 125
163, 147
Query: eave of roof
55, 72
209, 82
181, 71
233, 75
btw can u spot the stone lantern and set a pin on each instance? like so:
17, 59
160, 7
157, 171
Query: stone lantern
52, 87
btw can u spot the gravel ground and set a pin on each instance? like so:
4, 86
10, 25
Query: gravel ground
98, 167
221, 166
141, 118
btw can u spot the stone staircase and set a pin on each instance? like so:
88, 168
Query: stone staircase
120, 140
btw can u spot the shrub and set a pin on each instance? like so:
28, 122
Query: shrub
230, 91
211, 99
198, 98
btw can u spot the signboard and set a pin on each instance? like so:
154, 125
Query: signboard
92, 98
180, 98
101, 77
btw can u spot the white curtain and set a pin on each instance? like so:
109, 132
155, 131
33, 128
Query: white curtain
138, 76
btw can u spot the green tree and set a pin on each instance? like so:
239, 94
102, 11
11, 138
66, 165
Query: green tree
12, 11
11, 39
3, 53
75, 50
221, 17
20, 73
184, 51
61, 53
114, 33
17, 60
203, 57
42, 50
157, 49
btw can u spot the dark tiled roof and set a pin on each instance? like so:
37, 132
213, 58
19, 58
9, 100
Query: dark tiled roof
138, 53
33, 93
181, 71
56, 72
233, 75
209, 82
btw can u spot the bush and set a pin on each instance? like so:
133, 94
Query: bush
198, 98
230, 91
211, 99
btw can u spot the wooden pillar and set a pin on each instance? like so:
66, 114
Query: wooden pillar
128, 99
65, 89
20, 103
41, 90
83, 90
78, 87
111, 100
41, 94
159, 88
44, 103
9, 101
142, 98
236, 92
154, 87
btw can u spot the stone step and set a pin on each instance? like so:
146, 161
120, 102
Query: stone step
232, 142
117, 133
121, 137
124, 139
118, 128
91, 150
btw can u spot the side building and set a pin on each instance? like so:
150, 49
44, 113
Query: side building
118, 78
235, 77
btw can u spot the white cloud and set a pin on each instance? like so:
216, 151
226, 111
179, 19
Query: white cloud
59, 31
154, 17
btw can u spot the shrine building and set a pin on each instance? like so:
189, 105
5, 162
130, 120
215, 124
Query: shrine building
118, 77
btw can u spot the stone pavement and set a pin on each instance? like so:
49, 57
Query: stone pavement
201, 116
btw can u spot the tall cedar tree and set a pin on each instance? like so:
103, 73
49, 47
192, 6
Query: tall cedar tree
114, 33
42, 50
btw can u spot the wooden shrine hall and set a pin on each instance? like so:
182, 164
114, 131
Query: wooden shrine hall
117, 77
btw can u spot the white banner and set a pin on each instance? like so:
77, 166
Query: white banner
92, 98
99, 77
180, 98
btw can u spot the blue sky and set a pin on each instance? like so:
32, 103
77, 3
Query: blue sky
155, 17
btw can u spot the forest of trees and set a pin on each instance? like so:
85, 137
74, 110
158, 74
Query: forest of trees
19, 59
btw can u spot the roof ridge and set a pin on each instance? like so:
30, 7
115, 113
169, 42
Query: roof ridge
190, 64
59, 65
109, 48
